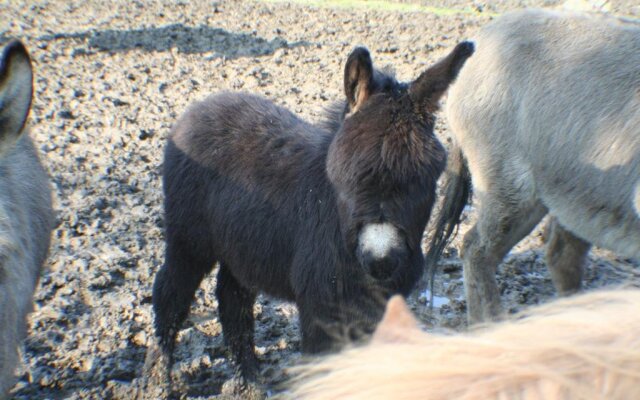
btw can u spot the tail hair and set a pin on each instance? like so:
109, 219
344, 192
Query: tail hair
457, 194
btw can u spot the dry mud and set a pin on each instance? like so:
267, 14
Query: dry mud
111, 79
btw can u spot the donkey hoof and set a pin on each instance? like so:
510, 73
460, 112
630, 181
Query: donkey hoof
155, 382
240, 388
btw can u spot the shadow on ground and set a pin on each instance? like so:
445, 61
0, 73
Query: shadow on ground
186, 39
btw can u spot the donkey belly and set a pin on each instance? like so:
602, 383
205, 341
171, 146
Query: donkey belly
586, 161
596, 206
254, 241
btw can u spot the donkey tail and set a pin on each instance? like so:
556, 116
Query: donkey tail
457, 194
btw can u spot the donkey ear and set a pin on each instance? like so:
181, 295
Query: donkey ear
431, 84
16, 85
358, 78
398, 324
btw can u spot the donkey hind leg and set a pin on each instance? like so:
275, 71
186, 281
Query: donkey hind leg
173, 291
235, 307
500, 226
566, 257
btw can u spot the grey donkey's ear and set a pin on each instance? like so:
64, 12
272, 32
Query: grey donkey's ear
16, 86
358, 78
427, 90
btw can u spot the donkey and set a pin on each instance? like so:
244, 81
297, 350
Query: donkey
545, 120
593, 353
26, 216
330, 217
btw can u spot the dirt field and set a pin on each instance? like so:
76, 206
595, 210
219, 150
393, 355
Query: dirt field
111, 79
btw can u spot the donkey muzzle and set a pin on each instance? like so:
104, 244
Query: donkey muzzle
381, 250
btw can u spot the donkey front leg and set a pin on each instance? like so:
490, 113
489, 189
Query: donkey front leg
319, 333
500, 226
328, 324
566, 257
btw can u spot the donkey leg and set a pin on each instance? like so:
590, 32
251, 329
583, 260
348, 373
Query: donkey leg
319, 330
316, 335
235, 307
9, 331
327, 326
501, 225
566, 257
173, 291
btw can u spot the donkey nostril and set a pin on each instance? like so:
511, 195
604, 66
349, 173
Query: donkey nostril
381, 269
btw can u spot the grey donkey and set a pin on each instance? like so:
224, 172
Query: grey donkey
26, 216
545, 120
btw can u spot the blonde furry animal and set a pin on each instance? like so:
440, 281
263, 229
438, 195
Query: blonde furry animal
26, 217
546, 119
579, 348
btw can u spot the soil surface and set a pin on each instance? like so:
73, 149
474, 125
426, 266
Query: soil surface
111, 79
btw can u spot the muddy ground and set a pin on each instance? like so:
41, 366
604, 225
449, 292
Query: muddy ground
111, 79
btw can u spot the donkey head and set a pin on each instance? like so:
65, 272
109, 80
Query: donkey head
384, 161
15, 92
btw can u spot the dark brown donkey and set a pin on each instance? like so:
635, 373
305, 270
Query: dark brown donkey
330, 216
